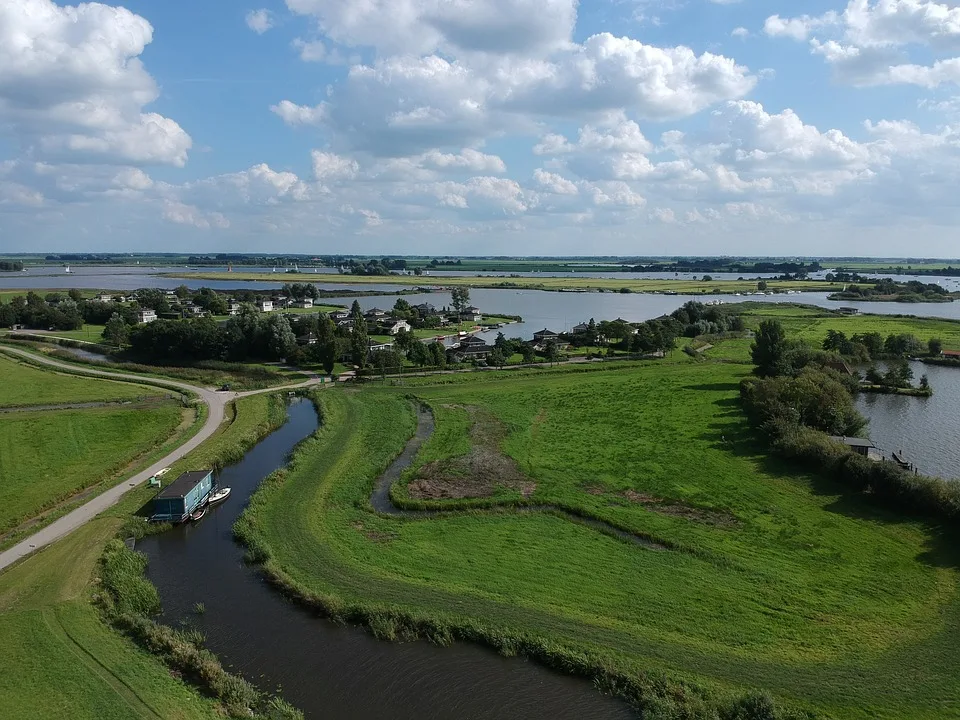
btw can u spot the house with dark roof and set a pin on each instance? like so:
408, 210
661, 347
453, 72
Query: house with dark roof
544, 336
470, 348
861, 446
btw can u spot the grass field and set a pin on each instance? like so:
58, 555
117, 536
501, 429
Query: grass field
776, 580
548, 283
88, 333
48, 456
812, 324
27, 385
59, 659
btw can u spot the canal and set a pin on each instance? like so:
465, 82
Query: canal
327, 670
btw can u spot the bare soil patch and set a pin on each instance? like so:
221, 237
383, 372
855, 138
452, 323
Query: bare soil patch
716, 518
477, 474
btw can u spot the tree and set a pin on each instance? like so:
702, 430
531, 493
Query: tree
899, 375
75, 295
529, 355
403, 340
552, 352
282, 340
182, 292
496, 358
924, 382
326, 346
935, 346
359, 346
460, 298
438, 355
762, 285
834, 341
769, 348
502, 344
116, 331
418, 353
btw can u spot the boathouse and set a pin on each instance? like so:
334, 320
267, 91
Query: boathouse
861, 446
181, 497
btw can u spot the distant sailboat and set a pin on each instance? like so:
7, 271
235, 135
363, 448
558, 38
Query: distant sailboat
68, 269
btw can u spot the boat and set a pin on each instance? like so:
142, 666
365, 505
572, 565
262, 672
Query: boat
68, 269
198, 513
218, 496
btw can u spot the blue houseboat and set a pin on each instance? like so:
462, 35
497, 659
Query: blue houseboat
181, 497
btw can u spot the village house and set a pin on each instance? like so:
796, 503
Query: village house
470, 348
146, 316
861, 446
952, 354
265, 305
472, 313
338, 315
375, 314
280, 301
542, 337
302, 303
233, 307
308, 339
394, 326
425, 309
848, 311
104, 297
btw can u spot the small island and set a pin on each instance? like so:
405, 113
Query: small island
888, 290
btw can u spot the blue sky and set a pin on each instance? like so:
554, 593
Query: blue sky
481, 126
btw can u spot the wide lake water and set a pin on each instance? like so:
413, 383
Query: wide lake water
926, 430
327, 670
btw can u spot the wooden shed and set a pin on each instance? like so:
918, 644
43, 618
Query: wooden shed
181, 497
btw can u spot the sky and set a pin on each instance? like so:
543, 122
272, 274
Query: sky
481, 127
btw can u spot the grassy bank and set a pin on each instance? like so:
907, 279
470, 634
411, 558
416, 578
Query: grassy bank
694, 287
240, 376
48, 456
789, 585
59, 658
25, 385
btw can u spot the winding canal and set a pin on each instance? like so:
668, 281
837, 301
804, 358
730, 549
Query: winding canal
327, 670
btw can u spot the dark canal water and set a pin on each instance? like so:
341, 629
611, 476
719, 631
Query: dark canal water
331, 671
927, 430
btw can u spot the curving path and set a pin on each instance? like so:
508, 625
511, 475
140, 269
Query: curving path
381, 502
216, 403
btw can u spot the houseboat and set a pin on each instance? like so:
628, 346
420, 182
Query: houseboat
176, 502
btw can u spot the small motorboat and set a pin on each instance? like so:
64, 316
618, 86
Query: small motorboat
219, 496
198, 513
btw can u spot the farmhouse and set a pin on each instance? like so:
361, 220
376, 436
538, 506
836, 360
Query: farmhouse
184, 495
146, 316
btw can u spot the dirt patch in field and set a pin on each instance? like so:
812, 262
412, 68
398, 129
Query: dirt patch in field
377, 536
479, 473
716, 518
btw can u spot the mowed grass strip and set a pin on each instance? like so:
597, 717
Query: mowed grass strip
60, 660
22, 385
46, 457
819, 599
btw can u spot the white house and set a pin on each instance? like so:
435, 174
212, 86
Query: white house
265, 305
145, 316
472, 313
233, 307
303, 303
395, 326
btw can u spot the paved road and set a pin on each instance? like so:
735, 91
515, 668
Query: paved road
216, 403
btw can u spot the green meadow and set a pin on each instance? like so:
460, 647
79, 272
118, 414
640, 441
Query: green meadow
25, 385
59, 658
47, 456
767, 577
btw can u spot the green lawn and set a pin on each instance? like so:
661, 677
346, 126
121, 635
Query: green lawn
27, 385
776, 581
48, 456
809, 324
59, 660
88, 333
